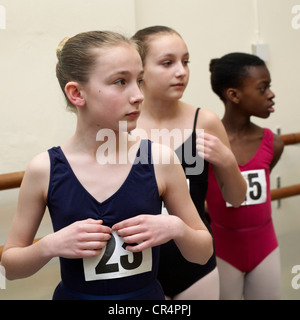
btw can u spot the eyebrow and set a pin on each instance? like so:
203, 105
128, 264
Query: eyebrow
125, 73
171, 55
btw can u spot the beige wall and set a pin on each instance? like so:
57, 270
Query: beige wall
33, 116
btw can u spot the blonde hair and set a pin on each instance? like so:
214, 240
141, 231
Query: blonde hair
143, 37
76, 57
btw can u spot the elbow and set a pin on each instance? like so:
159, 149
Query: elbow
4, 271
208, 252
238, 197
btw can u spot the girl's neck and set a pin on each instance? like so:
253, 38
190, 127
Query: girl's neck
160, 110
235, 122
89, 138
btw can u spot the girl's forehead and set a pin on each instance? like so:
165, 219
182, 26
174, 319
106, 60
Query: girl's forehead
162, 41
258, 72
162, 38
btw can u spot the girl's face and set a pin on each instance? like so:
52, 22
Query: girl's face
112, 93
166, 71
256, 95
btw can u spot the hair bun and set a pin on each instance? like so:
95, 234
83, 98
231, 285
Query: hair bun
61, 45
213, 63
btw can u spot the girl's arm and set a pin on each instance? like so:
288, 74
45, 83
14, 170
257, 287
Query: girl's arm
278, 147
20, 257
183, 224
213, 145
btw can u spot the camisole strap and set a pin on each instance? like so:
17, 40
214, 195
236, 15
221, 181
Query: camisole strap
195, 120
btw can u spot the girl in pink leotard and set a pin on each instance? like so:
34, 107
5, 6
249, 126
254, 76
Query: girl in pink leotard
245, 240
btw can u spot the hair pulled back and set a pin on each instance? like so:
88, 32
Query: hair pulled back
77, 56
230, 70
143, 37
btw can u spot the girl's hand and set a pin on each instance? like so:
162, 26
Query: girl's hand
148, 230
81, 239
212, 149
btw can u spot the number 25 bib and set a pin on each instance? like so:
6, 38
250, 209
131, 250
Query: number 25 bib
256, 187
116, 262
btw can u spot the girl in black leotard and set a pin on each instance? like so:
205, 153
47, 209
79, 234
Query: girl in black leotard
166, 73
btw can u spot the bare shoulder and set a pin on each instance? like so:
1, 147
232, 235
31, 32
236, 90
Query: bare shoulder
208, 120
163, 154
37, 172
39, 164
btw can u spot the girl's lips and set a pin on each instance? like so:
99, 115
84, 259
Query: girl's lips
133, 114
271, 109
178, 85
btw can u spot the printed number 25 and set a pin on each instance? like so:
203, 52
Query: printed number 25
104, 267
252, 184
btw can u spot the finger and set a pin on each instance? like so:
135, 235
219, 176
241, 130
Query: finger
127, 223
90, 253
129, 231
139, 247
96, 227
94, 245
88, 237
136, 238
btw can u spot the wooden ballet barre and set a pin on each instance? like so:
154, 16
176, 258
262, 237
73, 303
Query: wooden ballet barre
11, 180
285, 192
276, 194
291, 138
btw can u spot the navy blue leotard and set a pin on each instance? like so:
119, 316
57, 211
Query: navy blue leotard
176, 274
117, 274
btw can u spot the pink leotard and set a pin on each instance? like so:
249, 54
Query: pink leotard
244, 236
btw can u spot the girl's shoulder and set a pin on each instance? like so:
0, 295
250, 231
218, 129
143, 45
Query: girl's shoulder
38, 168
208, 120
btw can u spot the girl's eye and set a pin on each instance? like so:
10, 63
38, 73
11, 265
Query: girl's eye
166, 63
263, 89
139, 82
186, 62
120, 82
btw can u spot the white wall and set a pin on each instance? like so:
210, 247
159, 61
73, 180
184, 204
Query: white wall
33, 116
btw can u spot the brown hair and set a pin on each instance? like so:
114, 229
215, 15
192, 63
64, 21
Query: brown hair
143, 37
76, 57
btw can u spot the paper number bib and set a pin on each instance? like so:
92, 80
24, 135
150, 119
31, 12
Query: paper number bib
256, 187
116, 262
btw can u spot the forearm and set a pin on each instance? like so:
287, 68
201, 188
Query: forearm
195, 245
22, 262
232, 184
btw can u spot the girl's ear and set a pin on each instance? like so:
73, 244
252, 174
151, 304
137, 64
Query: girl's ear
73, 92
233, 95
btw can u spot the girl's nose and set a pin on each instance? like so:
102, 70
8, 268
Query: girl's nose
181, 70
137, 97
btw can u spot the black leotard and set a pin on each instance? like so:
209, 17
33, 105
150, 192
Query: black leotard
176, 273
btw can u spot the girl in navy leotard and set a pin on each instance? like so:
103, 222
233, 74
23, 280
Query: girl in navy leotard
103, 188
166, 74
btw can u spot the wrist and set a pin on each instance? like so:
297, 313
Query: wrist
178, 228
48, 248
